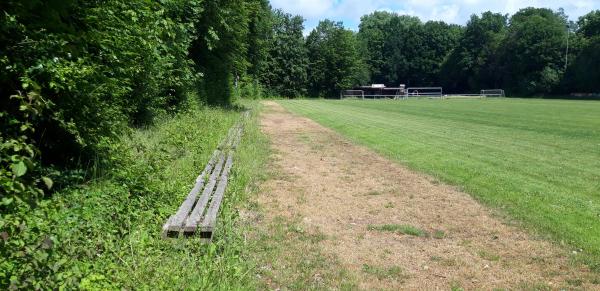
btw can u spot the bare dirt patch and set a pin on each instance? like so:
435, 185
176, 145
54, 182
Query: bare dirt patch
371, 223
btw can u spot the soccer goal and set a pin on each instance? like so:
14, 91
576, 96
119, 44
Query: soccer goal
352, 94
492, 93
430, 92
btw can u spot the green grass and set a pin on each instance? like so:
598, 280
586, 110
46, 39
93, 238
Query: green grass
488, 256
382, 273
110, 227
398, 228
536, 160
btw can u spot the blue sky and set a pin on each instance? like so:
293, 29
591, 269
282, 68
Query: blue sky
451, 11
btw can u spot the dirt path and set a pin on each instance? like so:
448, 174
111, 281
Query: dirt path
334, 214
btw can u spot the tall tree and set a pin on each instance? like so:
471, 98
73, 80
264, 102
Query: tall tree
285, 68
438, 40
589, 24
583, 75
372, 36
416, 51
532, 54
401, 46
471, 65
259, 33
335, 63
220, 52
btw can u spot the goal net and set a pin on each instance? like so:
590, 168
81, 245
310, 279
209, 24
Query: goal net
492, 93
352, 94
431, 92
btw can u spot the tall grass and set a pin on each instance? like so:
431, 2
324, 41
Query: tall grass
107, 233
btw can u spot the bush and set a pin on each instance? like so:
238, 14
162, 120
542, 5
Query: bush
76, 75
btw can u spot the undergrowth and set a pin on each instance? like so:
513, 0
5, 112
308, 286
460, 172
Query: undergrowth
105, 234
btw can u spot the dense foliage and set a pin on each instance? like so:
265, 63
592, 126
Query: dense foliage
583, 75
284, 72
334, 62
525, 54
78, 74
470, 66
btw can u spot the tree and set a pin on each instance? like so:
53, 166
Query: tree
372, 36
583, 74
439, 39
471, 65
532, 54
401, 46
589, 24
335, 64
416, 51
259, 33
220, 52
285, 68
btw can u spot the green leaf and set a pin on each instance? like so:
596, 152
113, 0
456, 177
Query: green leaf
19, 169
48, 182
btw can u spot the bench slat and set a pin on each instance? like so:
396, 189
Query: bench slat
225, 143
237, 139
192, 221
202, 218
175, 222
211, 214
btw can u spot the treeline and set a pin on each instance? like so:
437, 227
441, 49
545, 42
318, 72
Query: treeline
525, 54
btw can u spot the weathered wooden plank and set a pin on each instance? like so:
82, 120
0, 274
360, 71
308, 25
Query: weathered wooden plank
195, 217
238, 138
224, 144
208, 224
213, 189
165, 228
175, 222
245, 115
232, 137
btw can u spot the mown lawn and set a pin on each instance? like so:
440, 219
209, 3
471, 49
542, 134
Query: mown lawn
536, 160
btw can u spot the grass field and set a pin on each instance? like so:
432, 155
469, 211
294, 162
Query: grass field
536, 160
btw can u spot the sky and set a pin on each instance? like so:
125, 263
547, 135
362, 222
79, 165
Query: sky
450, 11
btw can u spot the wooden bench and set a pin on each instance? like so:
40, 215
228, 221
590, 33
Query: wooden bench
197, 215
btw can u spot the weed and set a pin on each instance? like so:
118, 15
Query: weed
488, 255
465, 243
399, 228
444, 262
576, 282
381, 273
439, 234
436, 258
455, 286
301, 199
534, 286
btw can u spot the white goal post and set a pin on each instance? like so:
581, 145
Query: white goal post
352, 94
431, 92
492, 93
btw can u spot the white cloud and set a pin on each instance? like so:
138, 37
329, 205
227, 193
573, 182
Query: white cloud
452, 11
306, 8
